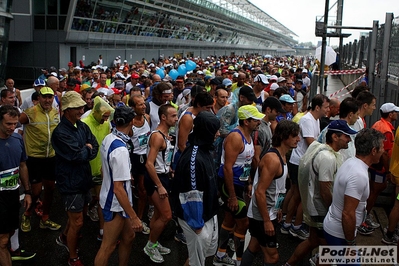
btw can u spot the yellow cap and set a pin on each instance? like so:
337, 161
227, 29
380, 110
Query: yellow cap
46, 91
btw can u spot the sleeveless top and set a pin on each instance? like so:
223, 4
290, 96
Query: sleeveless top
140, 137
242, 165
164, 157
274, 193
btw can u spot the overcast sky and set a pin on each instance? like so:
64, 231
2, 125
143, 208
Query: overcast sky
300, 16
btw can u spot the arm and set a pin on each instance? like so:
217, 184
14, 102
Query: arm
308, 140
185, 126
18, 94
155, 144
349, 217
24, 177
269, 167
67, 147
23, 118
232, 147
123, 200
325, 193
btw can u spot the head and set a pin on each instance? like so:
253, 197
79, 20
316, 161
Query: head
88, 97
298, 84
9, 116
103, 79
137, 102
320, 105
72, 106
334, 107
96, 74
206, 128
389, 112
369, 143
7, 97
46, 98
9, 84
367, 103
349, 110
271, 107
167, 115
162, 92
241, 79
221, 97
203, 101
123, 118
53, 83
249, 117
246, 95
339, 134
101, 110
287, 102
357, 90
286, 132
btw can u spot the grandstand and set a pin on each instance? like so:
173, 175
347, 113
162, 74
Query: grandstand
53, 32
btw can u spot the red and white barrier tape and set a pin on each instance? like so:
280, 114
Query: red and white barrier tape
343, 72
347, 86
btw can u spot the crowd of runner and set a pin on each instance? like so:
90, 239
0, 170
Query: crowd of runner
280, 160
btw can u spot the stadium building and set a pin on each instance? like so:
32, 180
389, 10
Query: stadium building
45, 33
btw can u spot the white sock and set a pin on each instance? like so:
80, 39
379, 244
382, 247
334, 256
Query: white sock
220, 254
101, 231
14, 240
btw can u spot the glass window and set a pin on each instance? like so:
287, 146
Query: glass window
61, 22
51, 23
64, 5
52, 7
39, 7
39, 22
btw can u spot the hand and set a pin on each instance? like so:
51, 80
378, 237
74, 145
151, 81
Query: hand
89, 145
249, 191
269, 228
27, 201
232, 203
279, 216
198, 231
136, 224
389, 177
162, 192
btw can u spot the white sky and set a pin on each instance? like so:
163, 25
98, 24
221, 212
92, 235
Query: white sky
300, 16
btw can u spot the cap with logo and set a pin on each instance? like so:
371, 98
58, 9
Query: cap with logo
39, 82
341, 126
249, 111
46, 91
261, 78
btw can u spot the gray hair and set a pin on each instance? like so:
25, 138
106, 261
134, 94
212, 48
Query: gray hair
366, 140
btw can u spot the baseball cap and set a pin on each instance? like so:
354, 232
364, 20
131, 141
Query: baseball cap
304, 70
85, 87
341, 126
286, 98
189, 81
230, 68
273, 77
247, 92
46, 91
272, 103
123, 115
274, 86
261, 78
72, 99
134, 76
389, 107
281, 79
215, 81
249, 111
227, 82
119, 84
39, 82
299, 81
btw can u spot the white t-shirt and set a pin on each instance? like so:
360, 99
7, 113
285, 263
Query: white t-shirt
310, 128
116, 167
359, 125
352, 180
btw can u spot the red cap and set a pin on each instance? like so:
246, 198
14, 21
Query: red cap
225, 71
135, 76
70, 64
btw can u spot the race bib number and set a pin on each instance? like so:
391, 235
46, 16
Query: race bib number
246, 172
143, 140
9, 179
279, 201
169, 156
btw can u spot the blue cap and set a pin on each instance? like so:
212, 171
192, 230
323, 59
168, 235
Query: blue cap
39, 82
286, 98
341, 126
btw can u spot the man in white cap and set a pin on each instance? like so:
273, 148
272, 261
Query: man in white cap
260, 83
74, 146
306, 79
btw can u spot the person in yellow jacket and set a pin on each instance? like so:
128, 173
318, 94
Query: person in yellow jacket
99, 123
40, 122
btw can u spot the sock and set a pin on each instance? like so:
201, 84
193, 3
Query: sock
296, 227
224, 238
247, 258
287, 225
101, 231
238, 263
220, 254
239, 244
14, 240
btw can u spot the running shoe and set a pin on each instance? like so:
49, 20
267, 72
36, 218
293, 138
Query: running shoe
285, 229
146, 229
370, 221
231, 244
21, 254
48, 224
180, 237
25, 223
93, 214
365, 229
223, 261
162, 250
313, 260
75, 262
153, 253
387, 240
61, 241
300, 233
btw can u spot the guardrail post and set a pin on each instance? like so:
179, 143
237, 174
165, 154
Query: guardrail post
361, 53
354, 47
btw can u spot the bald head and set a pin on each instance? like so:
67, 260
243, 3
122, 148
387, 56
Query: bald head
53, 83
334, 107
156, 78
